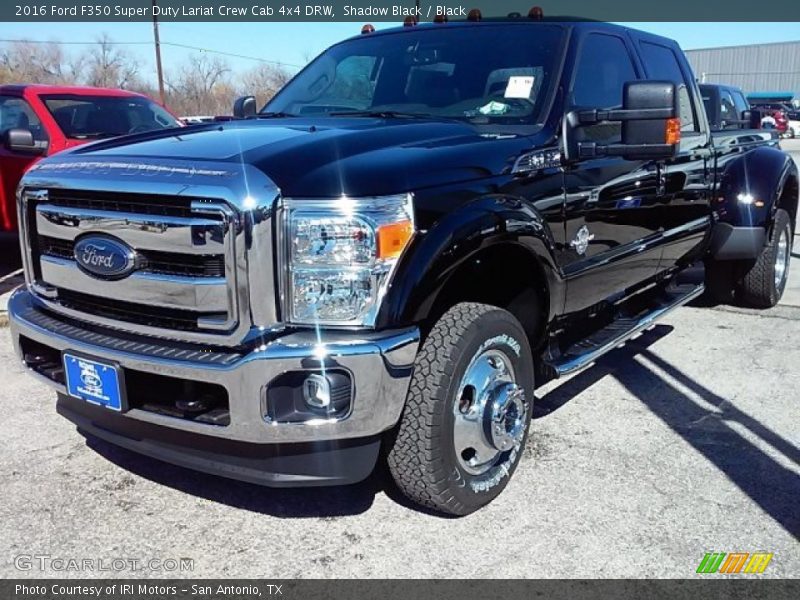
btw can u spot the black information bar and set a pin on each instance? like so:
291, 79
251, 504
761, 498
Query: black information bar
392, 10
707, 587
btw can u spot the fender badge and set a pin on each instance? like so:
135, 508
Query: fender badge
582, 239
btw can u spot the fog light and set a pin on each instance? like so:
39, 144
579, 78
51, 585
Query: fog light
301, 396
317, 391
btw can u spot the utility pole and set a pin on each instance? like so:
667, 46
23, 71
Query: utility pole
158, 56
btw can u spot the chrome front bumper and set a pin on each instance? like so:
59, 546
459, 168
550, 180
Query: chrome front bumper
380, 365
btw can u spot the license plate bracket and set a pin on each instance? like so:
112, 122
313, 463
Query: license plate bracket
94, 380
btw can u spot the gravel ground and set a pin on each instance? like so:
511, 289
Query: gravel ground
683, 442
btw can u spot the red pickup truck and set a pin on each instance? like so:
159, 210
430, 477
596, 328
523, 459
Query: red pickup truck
41, 120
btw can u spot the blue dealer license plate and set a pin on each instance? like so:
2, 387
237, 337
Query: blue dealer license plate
94, 381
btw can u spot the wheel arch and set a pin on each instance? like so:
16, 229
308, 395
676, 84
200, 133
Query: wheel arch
788, 199
496, 250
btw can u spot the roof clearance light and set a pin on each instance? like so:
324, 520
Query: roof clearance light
672, 133
475, 15
368, 28
536, 13
410, 21
440, 18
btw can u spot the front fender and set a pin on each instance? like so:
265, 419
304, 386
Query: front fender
436, 255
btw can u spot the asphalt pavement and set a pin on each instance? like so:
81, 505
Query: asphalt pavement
683, 442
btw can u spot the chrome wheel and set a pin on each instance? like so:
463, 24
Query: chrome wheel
781, 259
489, 413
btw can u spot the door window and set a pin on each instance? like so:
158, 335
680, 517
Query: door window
661, 63
602, 70
16, 113
728, 112
740, 103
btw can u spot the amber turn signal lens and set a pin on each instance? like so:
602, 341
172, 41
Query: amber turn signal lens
392, 239
672, 135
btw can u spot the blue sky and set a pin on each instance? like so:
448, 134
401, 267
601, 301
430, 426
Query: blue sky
294, 43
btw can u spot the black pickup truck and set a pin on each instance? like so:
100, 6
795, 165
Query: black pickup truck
727, 108
421, 227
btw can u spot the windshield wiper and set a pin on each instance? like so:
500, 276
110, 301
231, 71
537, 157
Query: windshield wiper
274, 115
383, 114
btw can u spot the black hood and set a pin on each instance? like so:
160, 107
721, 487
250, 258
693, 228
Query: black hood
333, 156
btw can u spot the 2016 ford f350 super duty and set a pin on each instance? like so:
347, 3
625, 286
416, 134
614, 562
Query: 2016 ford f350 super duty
421, 227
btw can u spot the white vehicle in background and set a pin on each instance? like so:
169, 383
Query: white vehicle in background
794, 128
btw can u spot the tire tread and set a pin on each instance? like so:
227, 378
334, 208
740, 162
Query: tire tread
415, 460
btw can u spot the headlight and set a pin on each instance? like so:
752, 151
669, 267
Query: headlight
340, 255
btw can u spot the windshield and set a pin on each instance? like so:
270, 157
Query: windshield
92, 117
481, 74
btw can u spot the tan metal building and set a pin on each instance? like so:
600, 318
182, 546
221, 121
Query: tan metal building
771, 67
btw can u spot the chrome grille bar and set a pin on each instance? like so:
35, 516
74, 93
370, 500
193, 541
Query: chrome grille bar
143, 232
199, 294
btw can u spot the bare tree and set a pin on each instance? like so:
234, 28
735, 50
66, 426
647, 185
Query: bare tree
108, 66
25, 62
202, 86
263, 81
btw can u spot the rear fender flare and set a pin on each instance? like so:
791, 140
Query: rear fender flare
750, 187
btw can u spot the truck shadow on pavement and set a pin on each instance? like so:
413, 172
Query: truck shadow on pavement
709, 423
703, 421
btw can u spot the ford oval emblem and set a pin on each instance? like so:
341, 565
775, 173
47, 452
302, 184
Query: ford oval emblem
104, 257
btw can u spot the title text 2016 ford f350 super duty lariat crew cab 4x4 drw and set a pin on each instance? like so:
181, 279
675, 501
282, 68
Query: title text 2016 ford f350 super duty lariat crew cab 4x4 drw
418, 229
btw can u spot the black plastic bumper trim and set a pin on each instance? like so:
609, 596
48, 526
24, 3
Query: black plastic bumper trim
338, 462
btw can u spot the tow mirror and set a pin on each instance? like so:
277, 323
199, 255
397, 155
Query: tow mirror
22, 140
650, 124
244, 107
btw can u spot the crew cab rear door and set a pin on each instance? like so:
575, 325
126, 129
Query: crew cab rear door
684, 211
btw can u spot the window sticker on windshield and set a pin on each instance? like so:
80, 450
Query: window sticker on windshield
519, 87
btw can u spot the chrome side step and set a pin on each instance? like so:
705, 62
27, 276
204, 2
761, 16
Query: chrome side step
585, 352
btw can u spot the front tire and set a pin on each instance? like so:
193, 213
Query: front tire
764, 282
468, 410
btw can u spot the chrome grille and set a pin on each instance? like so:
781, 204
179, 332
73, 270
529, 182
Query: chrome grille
185, 276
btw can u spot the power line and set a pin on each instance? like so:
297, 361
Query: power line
173, 44
60, 43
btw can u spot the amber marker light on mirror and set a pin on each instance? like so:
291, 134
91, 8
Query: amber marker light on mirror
393, 238
672, 133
